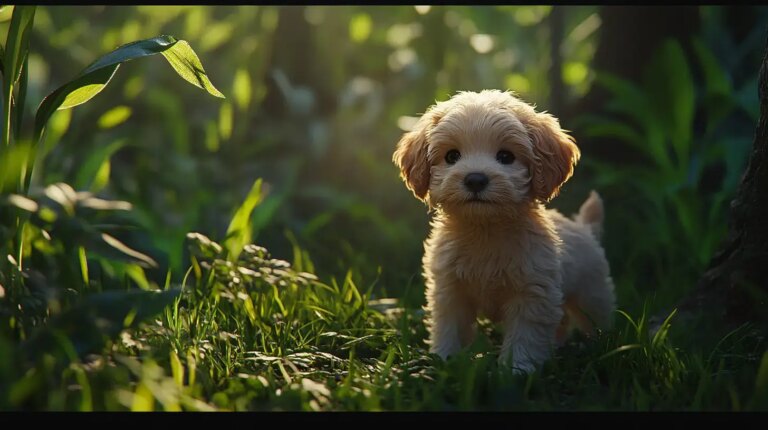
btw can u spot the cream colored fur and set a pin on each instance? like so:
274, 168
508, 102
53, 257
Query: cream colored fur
499, 252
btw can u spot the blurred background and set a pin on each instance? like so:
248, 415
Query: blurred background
662, 102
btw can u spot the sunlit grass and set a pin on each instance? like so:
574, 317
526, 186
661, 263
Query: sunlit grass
257, 334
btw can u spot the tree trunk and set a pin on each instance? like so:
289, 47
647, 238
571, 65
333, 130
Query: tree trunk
735, 285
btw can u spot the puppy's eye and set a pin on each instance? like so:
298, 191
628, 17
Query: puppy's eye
452, 156
505, 157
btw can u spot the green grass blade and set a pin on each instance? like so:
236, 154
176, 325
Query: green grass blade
124, 251
661, 333
240, 230
16, 48
17, 42
21, 97
761, 382
620, 349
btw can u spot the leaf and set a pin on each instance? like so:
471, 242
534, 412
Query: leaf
22, 202
5, 12
669, 84
13, 161
73, 93
17, 42
719, 99
661, 333
360, 27
114, 117
97, 317
177, 369
631, 100
761, 382
184, 60
14, 57
96, 76
122, 248
716, 80
21, 96
241, 87
240, 230
87, 172
628, 98
618, 130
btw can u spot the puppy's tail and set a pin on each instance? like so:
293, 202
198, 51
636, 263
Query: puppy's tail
591, 213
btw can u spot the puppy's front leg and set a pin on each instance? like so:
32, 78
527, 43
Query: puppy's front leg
451, 318
530, 324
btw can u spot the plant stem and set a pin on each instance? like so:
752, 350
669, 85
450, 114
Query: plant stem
8, 96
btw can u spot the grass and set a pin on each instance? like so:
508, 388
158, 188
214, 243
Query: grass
262, 334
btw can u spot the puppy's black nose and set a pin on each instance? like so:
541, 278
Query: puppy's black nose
476, 182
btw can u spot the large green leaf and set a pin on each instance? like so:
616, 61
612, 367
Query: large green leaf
96, 76
96, 318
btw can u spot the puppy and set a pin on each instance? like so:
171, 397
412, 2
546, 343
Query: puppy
486, 163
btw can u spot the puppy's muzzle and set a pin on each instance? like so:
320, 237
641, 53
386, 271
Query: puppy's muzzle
476, 182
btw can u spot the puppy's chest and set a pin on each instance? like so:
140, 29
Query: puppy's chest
491, 270
490, 267
485, 263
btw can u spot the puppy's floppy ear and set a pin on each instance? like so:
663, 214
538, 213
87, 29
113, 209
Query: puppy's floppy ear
554, 155
411, 155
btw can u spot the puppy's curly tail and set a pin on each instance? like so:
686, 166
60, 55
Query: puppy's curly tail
591, 214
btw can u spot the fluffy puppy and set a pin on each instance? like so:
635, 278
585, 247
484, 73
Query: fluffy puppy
486, 163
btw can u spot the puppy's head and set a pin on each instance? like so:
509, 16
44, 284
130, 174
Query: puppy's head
480, 153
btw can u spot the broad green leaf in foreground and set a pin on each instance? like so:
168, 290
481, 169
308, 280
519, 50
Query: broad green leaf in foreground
96, 76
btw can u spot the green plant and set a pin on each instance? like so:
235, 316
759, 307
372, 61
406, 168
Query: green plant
678, 176
67, 282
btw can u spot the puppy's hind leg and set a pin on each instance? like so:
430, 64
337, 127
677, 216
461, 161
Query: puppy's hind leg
451, 321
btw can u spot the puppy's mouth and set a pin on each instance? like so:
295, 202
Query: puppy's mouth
477, 199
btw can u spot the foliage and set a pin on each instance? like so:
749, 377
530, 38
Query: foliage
108, 302
684, 160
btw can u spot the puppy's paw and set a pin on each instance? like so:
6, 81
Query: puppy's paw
444, 351
519, 367
523, 368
